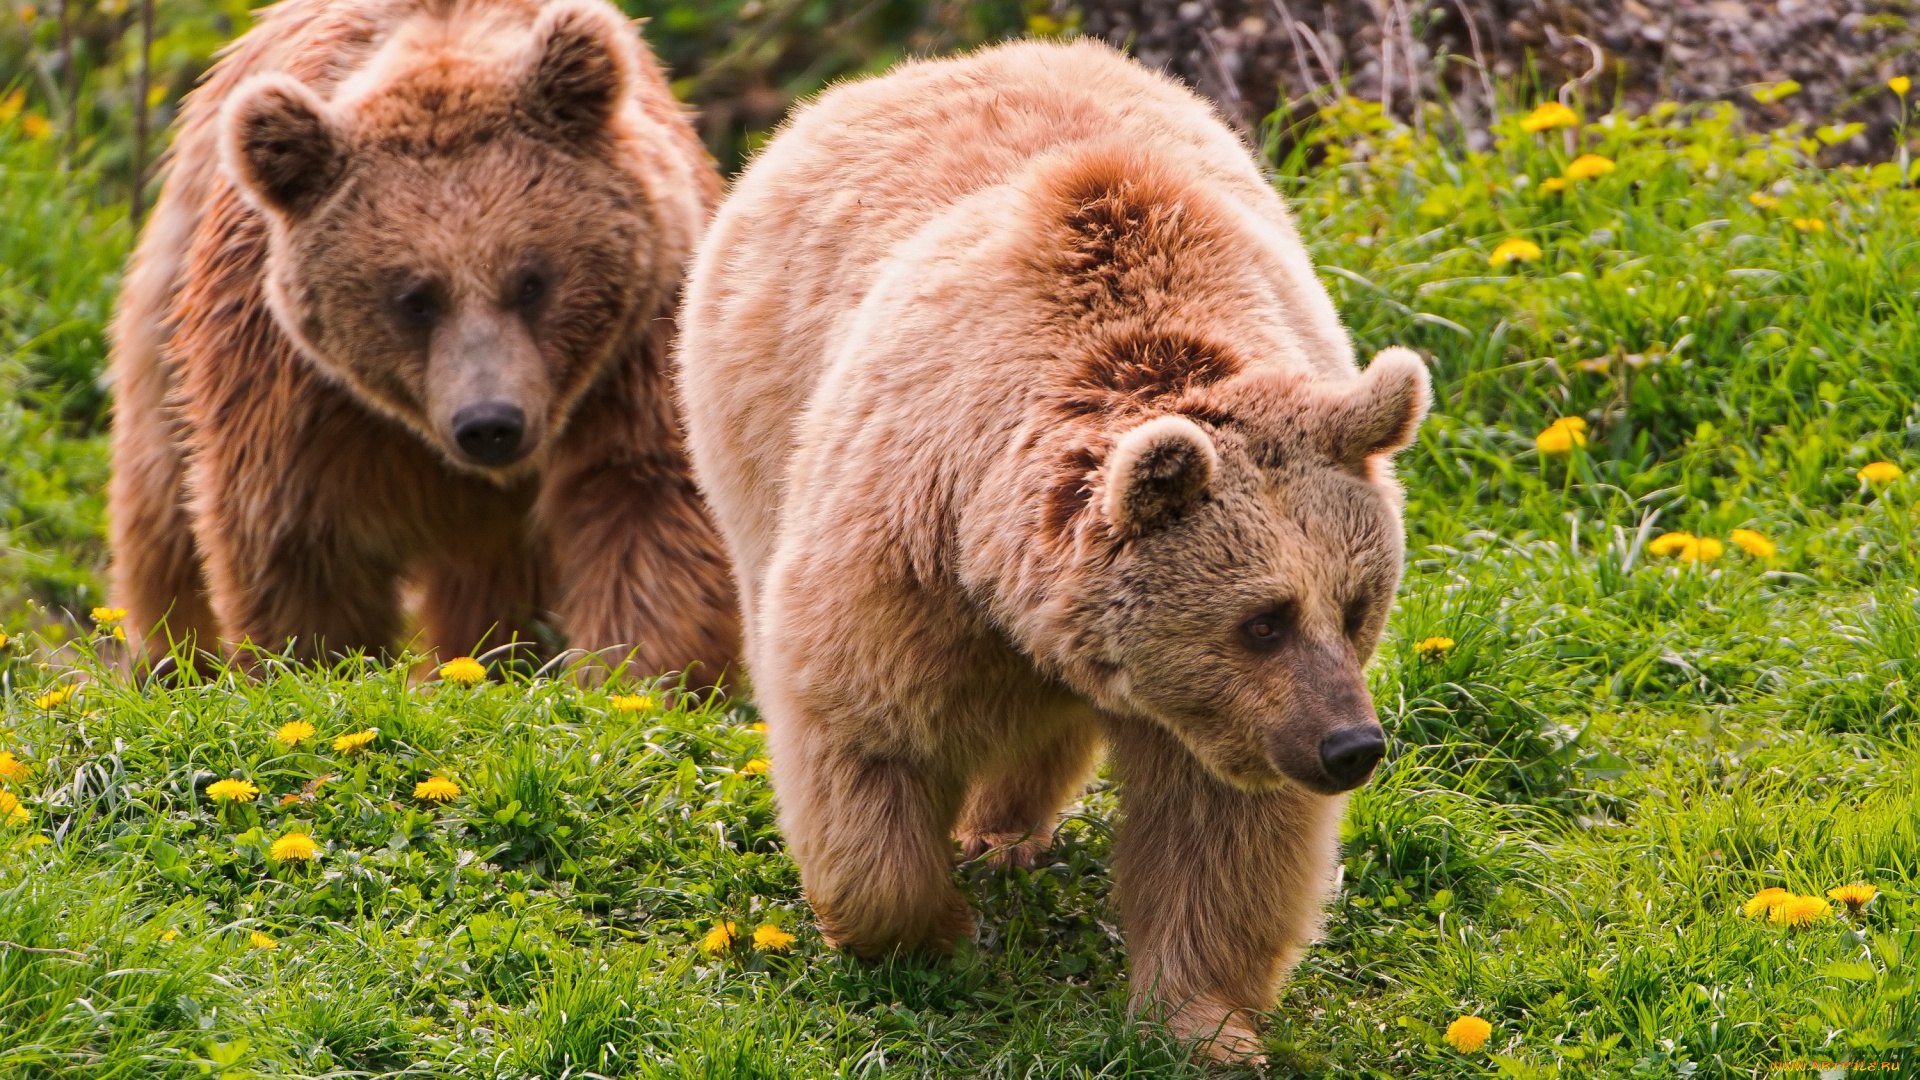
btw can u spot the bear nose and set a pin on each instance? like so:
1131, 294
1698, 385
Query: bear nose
1349, 754
490, 432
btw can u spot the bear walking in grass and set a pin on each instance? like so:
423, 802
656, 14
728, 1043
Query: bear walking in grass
403, 312
1030, 428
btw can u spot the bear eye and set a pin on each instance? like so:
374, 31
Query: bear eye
1268, 630
533, 289
417, 306
1355, 619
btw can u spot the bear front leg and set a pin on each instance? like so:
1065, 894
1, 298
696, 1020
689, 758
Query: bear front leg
871, 837
1219, 888
1013, 805
640, 568
156, 565
322, 600
293, 576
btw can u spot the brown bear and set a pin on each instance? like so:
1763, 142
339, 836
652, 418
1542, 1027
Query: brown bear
403, 313
1030, 428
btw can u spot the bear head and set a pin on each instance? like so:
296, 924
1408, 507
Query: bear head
455, 235
1246, 547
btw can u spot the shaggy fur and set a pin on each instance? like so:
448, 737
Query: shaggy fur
380, 213
1029, 427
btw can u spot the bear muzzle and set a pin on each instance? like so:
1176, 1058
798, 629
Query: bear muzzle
1328, 738
487, 388
491, 433
1348, 755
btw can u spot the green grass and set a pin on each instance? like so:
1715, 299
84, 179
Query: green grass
1618, 750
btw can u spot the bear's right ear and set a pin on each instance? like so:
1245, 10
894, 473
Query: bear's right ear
282, 144
1155, 471
579, 70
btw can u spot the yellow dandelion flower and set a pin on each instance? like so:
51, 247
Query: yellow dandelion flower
294, 847
11, 768
11, 810
1468, 1034
1588, 167
1762, 902
1554, 184
232, 791
356, 741
1752, 543
1549, 115
1878, 472
261, 941
169, 935
463, 671
36, 126
719, 939
1855, 895
1806, 224
293, 733
4, 639
770, 938
436, 789
755, 767
630, 702
759, 726
107, 616
1561, 436
1800, 911
1434, 648
1514, 250
1672, 543
1764, 201
1704, 549
1900, 84
55, 697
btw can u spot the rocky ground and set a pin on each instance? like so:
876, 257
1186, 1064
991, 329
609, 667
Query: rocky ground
1251, 55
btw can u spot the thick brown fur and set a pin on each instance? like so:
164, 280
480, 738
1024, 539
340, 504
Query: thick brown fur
1015, 395
285, 448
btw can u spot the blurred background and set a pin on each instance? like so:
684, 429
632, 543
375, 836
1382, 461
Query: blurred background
77, 65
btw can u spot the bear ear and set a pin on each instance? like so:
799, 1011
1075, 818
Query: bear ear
579, 69
1379, 412
1155, 471
283, 145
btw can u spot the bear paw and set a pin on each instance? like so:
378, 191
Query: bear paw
1218, 1031
901, 926
1004, 849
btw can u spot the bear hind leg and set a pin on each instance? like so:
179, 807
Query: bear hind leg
473, 605
1012, 807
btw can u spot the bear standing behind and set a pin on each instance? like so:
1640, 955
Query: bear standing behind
1029, 427
403, 311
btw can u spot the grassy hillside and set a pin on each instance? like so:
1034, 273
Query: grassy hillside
1614, 750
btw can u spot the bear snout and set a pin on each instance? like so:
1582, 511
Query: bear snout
1348, 754
491, 433
1326, 736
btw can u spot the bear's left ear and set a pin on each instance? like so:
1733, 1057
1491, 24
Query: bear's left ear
1155, 471
579, 69
1378, 412
283, 146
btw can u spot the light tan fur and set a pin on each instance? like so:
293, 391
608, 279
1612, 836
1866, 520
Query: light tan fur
378, 214
1029, 427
